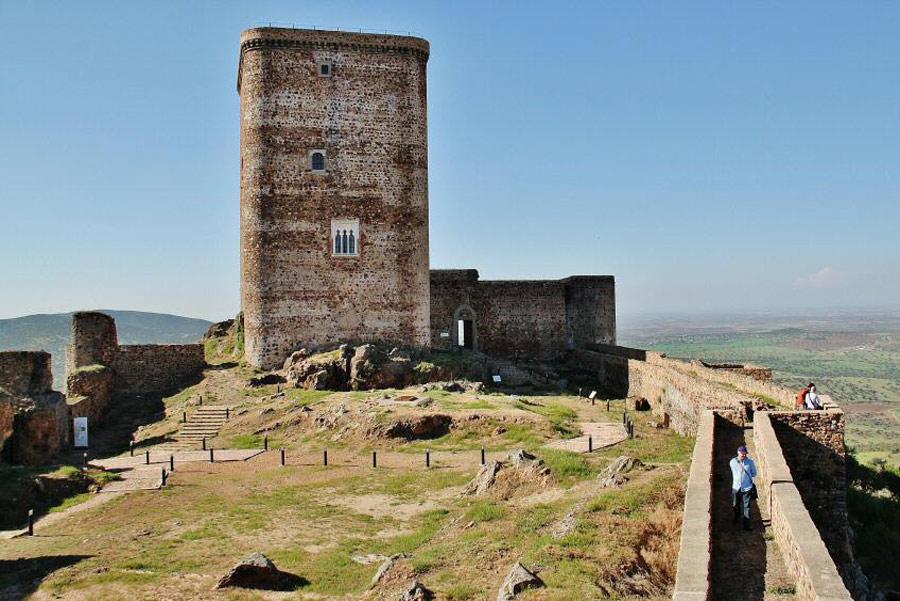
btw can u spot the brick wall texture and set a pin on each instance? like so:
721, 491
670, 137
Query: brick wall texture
369, 116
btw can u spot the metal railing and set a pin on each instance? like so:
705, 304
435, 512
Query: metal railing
344, 29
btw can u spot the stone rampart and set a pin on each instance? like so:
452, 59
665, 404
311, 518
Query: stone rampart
803, 548
692, 580
25, 373
94, 340
156, 368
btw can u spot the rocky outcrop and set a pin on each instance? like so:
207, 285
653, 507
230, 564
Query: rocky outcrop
258, 572
417, 427
614, 474
371, 368
503, 478
417, 592
518, 579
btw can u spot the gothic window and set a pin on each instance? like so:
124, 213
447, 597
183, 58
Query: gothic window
345, 237
317, 161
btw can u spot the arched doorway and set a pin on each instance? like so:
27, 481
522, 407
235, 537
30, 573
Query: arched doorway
464, 332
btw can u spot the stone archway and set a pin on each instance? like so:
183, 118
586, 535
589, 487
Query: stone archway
464, 330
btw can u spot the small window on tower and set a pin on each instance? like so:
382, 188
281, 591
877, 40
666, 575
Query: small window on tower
324, 69
344, 237
317, 161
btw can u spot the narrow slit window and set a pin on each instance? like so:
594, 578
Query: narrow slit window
324, 69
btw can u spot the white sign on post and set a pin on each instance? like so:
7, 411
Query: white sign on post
81, 432
497, 378
593, 395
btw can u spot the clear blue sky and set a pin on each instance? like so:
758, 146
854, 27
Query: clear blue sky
712, 156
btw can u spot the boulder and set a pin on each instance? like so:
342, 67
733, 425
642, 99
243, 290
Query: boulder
295, 357
257, 571
419, 426
314, 374
385, 567
484, 479
371, 368
614, 474
518, 579
568, 523
417, 592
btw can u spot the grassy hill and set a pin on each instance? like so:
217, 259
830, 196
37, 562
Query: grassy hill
51, 333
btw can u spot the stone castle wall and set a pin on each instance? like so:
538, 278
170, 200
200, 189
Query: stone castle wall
156, 368
527, 318
89, 390
94, 340
34, 419
369, 117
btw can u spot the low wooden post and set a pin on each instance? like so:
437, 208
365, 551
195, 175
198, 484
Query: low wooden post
266, 442
184, 417
227, 413
147, 457
85, 459
590, 444
428, 458
201, 399
374, 458
211, 458
607, 405
204, 443
282, 457
580, 392
163, 479
325, 457
131, 447
482, 456
31, 522
171, 463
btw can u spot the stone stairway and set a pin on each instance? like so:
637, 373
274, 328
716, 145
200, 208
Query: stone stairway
204, 422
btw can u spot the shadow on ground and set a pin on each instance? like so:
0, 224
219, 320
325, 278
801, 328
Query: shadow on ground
21, 577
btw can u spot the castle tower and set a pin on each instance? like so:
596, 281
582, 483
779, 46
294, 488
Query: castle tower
334, 190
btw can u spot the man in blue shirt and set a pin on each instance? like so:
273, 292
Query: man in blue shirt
743, 471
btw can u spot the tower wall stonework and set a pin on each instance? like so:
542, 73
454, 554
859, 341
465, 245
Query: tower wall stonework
368, 115
94, 340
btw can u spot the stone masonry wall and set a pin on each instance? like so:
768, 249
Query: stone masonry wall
156, 368
34, 419
369, 117
89, 391
94, 340
813, 446
539, 319
800, 541
25, 373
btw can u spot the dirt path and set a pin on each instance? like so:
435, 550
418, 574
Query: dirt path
746, 566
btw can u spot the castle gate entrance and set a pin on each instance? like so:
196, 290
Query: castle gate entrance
465, 328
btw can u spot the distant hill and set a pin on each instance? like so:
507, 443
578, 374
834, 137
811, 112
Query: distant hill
51, 333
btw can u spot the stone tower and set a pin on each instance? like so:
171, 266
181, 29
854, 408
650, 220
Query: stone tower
334, 190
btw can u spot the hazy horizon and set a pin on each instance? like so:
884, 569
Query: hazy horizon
713, 158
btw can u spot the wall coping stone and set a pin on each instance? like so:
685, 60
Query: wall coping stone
692, 578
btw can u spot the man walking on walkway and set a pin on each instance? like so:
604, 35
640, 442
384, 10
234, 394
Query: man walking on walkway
743, 471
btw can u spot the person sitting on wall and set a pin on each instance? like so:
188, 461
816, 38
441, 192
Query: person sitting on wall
743, 490
801, 398
812, 400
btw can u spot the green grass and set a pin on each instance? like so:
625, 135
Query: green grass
246, 441
485, 511
523, 435
71, 502
566, 465
562, 418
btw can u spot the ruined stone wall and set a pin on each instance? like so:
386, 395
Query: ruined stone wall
156, 368
369, 117
34, 419
89, 391
94, 340
25, 373
538, 319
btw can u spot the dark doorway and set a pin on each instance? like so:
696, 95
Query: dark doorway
466, 334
